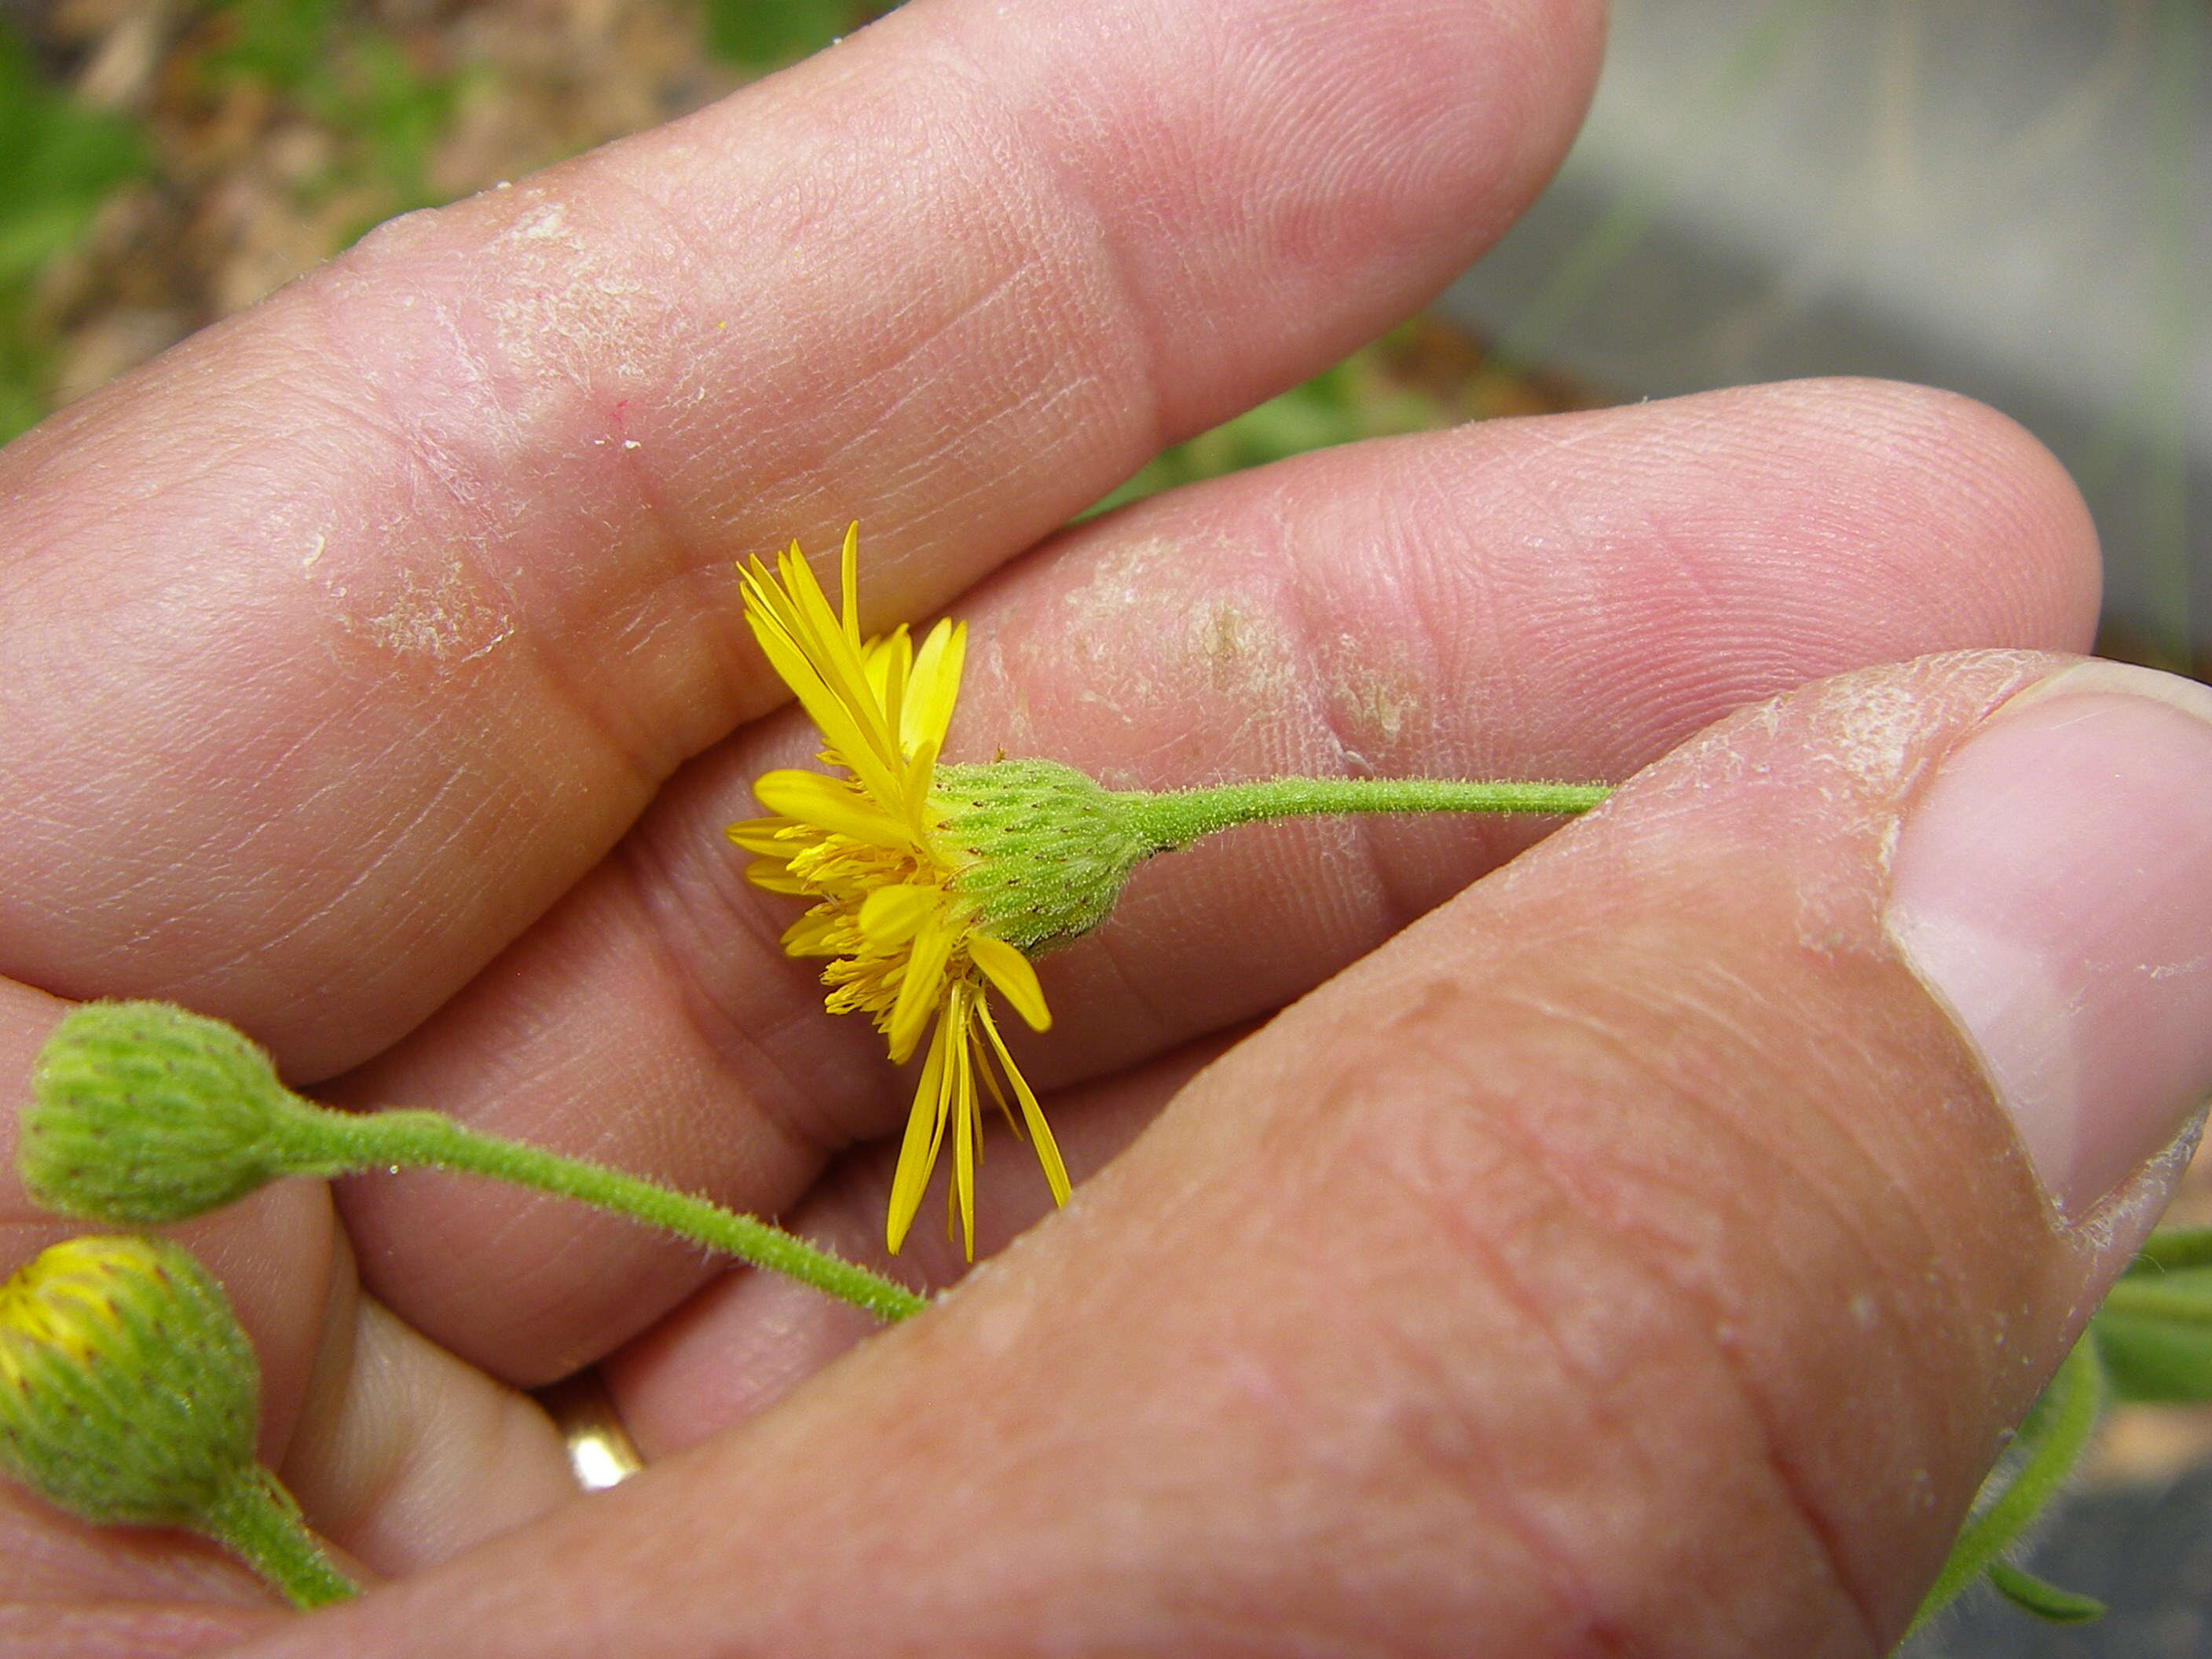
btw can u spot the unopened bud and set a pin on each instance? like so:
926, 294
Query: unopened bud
143, 1113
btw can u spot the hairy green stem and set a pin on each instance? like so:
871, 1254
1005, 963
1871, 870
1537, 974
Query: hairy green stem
2046, 1600
257, 1519
2058, 1431
400, 1139
1173, 819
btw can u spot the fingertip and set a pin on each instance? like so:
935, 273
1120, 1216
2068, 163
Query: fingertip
2052, 886
1977, 466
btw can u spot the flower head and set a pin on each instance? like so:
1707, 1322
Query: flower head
143, 1113
907, 939
127, 1390
127, 1396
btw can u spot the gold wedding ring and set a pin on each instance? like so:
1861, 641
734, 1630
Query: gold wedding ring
601, 1450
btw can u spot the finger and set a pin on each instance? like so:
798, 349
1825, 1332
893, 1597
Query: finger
341, 640
122, 1630
71, 1590
746, 1339
1548, 598
1639, 1254
405, 1455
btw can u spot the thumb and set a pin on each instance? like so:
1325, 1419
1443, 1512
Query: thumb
1644, 1253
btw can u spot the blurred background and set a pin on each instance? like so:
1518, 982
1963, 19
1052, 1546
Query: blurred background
2009, 198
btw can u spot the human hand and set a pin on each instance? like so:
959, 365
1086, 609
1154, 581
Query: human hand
1629, 1253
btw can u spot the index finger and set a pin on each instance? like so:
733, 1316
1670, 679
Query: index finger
339, 642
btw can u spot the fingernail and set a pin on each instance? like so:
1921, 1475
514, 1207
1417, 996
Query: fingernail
2052, 885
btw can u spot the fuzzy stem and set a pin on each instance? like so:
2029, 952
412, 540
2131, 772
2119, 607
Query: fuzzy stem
1171, 820
256, 1519
2057, 1432
396, 1138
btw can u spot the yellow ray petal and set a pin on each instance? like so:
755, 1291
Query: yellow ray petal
890, 664
834, 647
843, 716
774, 875
1010, 970
808, 646
763, 836
925, 1128
921, 991
811, 936
988, 1076
849, 582
823, 801
934, 687
1047, 1149
892, 915
966, 1124
920, 777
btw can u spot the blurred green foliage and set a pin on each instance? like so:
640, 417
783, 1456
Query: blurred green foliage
1357, 399
337, 65
767, 34
334, 64
58, 162
387, 112
281, 43
2154, 1330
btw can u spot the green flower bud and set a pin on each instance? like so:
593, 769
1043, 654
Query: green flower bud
127, 1391
143, 1113
129, 1396
1052, 848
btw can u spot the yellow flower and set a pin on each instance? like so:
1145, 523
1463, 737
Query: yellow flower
127, 1390
65, 1300
906, 945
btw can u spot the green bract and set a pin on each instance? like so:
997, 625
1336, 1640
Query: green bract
1052, 849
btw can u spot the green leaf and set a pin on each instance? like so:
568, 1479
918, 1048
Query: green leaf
2182, 1297
767, 34
2044, 1600
2058, 1429
2171, 1248
2154, 1330
59, 162
2151, 1359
